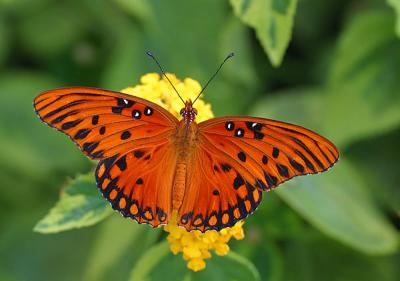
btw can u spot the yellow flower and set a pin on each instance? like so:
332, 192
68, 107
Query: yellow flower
160, 92
195, 246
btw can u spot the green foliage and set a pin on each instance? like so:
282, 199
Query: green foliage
337, 204
80, 205
272, 21
158, 263
396, 6
366, 76
338, 76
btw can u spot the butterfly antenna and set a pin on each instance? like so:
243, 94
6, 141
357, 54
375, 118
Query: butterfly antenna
150, 54
215, 74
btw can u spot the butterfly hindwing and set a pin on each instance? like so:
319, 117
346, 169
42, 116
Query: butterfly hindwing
242, 156
217, 196
139, 183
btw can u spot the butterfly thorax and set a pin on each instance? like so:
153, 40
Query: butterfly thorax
188, 113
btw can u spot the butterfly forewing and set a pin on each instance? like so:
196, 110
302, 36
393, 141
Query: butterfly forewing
131, 136
103, 123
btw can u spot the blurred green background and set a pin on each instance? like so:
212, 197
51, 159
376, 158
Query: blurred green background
332, 66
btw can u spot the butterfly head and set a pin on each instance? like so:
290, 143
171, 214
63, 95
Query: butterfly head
188, 113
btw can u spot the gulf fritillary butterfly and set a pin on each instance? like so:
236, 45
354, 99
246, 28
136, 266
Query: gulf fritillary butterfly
151, 164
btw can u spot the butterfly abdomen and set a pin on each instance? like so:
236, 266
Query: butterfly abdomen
179, 185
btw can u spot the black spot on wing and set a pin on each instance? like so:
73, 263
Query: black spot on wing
136, 114
116, 109
254, 126
124, 103
90, 146
102, 130
242, 156
229, 126
258, 135
121, 163
95, 119
226, 167
275, 152
97, 154
186, 217
282, 170
125, 135
148, 111
71, 124
81, 134
260, 184
270, 179
296, 165
138, 153
162, 216
239, 133
238, 182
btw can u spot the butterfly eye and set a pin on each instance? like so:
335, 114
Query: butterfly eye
195, 111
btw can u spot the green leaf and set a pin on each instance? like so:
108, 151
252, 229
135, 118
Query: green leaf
140, 9
80, 205
314, 258
396, 6
364, 80
272, 21
116, 261
380, 168
337, 204
158, 263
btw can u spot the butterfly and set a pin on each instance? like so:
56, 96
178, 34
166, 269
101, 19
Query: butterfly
212, 174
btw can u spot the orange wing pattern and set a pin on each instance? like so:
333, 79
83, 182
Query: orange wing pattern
238, 158
131, 137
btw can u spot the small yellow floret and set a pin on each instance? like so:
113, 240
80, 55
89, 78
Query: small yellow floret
195, 246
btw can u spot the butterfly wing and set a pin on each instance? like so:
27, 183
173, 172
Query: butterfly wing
239, 157
131, 136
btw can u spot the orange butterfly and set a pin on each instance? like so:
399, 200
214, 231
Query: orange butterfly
151, 164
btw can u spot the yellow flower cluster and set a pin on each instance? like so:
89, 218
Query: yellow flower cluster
160, 92
194, 245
